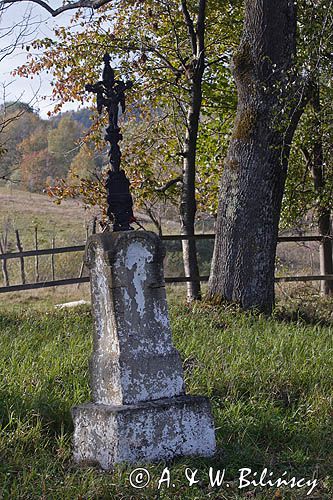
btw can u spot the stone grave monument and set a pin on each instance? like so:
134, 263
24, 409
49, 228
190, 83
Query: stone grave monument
139, 410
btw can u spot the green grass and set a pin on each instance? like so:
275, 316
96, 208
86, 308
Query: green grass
269, 380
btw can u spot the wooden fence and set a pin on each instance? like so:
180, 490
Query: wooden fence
21, 255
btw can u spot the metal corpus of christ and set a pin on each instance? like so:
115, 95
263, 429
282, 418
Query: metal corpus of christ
110, 93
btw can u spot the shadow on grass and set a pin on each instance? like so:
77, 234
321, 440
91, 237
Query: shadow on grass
247, 437
44, 407
274, 440
8, 321
303, 315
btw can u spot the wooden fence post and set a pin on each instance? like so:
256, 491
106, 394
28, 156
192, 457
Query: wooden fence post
326, 264
94, 225
87, 234
20, 249
52, 259
4, 267
36, 257
3, 249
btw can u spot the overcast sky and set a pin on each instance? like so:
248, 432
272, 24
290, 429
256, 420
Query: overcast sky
23, 88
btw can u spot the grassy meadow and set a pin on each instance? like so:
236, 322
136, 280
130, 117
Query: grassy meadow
67, 224
269, 380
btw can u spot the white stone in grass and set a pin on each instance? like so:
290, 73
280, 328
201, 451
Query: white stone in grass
75, 303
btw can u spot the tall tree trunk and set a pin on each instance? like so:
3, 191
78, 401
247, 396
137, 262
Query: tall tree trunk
188, 202
325, 251
324, 214
255, 169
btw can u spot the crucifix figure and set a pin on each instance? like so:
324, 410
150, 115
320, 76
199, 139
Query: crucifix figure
110, 93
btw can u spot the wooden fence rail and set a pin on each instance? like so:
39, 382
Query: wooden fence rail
177, 279
44, 251
169, 237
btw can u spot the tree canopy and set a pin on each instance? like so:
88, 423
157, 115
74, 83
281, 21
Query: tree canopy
150, 44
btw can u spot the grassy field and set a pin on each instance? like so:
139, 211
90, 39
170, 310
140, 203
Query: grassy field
24, 211
67, 223
269, 380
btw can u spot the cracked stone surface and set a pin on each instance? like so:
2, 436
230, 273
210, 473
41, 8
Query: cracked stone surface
146, 432
139, 409
134, 359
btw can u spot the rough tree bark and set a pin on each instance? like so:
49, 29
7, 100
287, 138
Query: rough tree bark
188, 202
270, 103
324, 213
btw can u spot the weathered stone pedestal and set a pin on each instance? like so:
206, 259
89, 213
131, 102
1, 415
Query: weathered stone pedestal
139, 411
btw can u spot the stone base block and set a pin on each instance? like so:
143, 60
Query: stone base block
145, 432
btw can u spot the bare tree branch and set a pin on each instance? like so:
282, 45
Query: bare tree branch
21, 30
12, 35
201, 27
306, 155
168, 184
190, 27
92, 4
177, 40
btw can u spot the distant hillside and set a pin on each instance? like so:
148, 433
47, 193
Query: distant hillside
37, 152
81, 116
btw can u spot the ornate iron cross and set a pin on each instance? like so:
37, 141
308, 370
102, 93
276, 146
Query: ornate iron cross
110, 93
